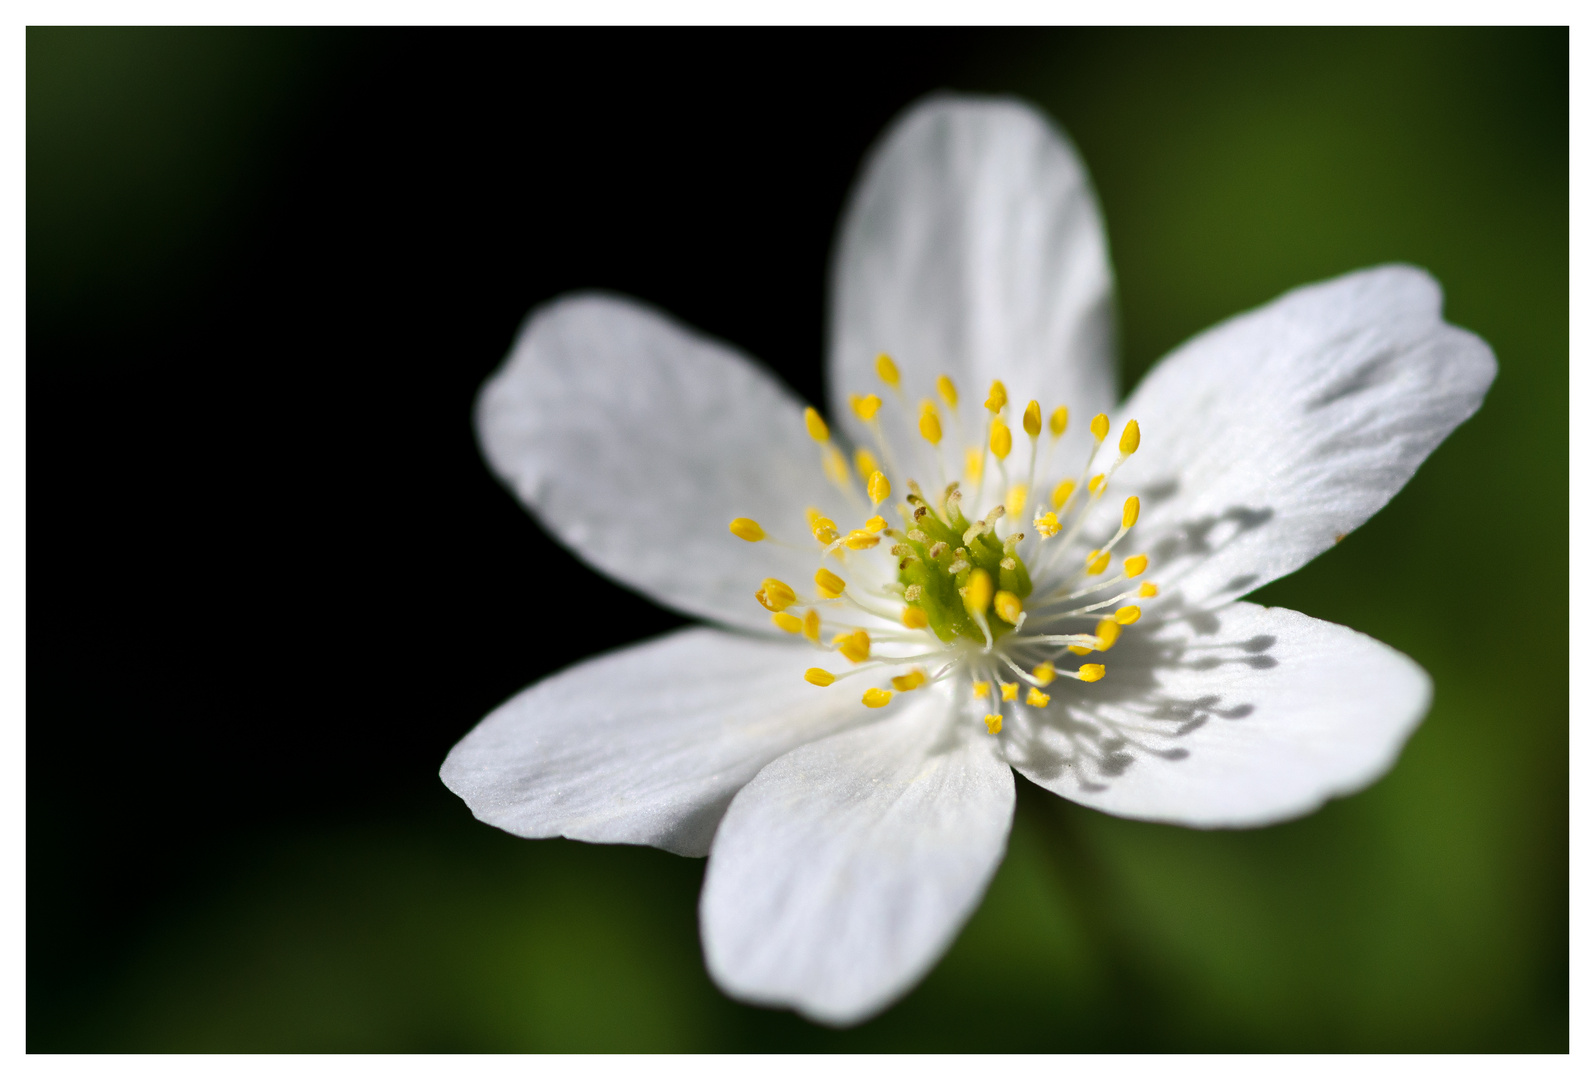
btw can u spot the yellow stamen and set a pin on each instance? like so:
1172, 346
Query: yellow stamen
887, 370
1001, 438
859, 540
1099, 426
875, 524
1135, 566
879, 487
1097, 561
824, 530
1008, 607
829, 584
1044, 672
1127, 615
1079, 650
930, 426
1033, 419
912, 681
1061, 493
811, 625
1010, 691
982, 690
875, 699
998, 396
1059, 423
994, 723
974, 464
1037, 698
1130, 441
1098, 483
747, 529
819, 676
864, 407
948, 392
1046, 524
1132, 511
790, 623
1018, 495
1107, 633
865, 462
977, 594
915, 618
854, 646
1091, 672
835, 464
775, 595
816, 425
1148, 589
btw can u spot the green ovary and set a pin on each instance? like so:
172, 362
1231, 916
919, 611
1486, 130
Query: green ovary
939, 583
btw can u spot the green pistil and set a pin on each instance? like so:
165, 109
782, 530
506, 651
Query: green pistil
939, 583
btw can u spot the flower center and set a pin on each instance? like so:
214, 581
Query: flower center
957, 599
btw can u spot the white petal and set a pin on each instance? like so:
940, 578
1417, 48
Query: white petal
637, 441
973, 247
1271, 435
844, 870
646, 745
1240, 717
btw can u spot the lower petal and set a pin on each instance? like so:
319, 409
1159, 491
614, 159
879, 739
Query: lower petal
844, 870
1240, 717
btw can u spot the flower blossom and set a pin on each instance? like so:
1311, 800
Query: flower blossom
980, 563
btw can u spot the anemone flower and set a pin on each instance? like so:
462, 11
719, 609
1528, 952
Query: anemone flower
982, 564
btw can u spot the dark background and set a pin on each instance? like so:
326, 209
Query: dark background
270, 581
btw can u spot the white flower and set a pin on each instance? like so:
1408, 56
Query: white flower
848, 844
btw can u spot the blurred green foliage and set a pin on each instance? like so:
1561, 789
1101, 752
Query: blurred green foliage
1427, 913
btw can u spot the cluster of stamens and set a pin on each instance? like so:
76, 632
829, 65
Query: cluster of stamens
958, 596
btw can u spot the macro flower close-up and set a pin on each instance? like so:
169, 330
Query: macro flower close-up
974, 560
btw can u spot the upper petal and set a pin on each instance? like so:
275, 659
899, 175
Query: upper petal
973, 247
1270, 436
636, 441
1239, 717
844, 870
646, 745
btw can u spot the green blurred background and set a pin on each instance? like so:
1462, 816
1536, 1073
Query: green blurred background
1429, 912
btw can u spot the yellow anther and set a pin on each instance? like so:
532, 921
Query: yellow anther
790, 623
1091, 672
1061, 493
930, 426
977, 594
1044, 672
994, 723
879, 487
1001, 438
998, 396
811, 625
1010, 691
912, 681
1107, 633
816, 425
1098, 483
829, 584
982, 690
1130, 441
974, 464
1148, 589
1033, 419
887, 370
854, 646
1079, 650
875, 699
865, 462
1127, 615
824, 529
1018, 495
915, 618
1099, 426
1135, 566
775, 595
1132, 511
819, 676
865, 407
747, 529
1037, 698
875, 524
1097, 561
860, 540
811, 515
947, 391
1058, 423
1046, 524
1008, 606
835, 463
